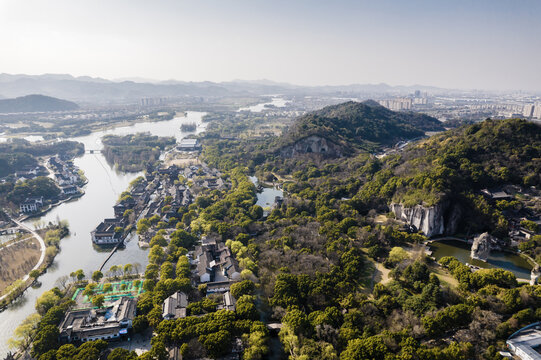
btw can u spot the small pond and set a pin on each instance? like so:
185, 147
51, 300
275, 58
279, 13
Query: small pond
497, 259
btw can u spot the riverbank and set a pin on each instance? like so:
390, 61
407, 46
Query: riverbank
6, 299
102, 190
52, 206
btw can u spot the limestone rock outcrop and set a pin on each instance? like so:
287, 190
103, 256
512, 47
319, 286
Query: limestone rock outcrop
312, 145
534, 275
482, 244
440, 219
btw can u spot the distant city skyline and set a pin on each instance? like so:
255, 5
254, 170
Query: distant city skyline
489, 45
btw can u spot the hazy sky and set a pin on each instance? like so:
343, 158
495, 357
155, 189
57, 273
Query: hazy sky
490, 44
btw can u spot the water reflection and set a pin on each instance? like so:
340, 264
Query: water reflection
77, 251
497, 259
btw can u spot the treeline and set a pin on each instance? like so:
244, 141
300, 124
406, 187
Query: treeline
19, 153
365, 125
39, 186
134, 152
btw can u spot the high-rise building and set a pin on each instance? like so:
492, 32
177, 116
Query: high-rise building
397, 104
537, 111
527, 111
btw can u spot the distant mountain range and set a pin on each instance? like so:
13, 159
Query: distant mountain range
35, 103
344, 128
85, 89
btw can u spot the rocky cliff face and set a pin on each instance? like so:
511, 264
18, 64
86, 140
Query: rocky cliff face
482, 244
534, 275
312, 144
439, 219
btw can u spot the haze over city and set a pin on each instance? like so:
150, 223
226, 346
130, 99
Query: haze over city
485, 44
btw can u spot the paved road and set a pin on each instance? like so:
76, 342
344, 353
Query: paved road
42, 256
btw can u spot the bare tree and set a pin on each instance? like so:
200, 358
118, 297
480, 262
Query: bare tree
62, 281
136, 267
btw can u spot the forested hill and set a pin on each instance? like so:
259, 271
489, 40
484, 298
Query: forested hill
455, 165
35, 103
366, 125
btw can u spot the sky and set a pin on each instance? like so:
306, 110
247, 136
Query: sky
482, 44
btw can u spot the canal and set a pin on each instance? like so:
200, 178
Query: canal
104, 186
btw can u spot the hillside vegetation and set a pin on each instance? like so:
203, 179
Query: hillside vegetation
457, 164
365, 125
134, 152
35, 103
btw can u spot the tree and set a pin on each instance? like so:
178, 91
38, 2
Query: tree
66, 352
22, 336
128, 268
297, 321
246, 308
34, 274
372, 348
158, 351
98, 301
113, 270
245, 287
46, 301
89, 289
78, 275
217, 344
122, 354
137, 268
140, 324
97, 275
46, 339
62, 281
397, 254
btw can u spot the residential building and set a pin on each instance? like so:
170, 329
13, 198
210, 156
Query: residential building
69, 190
31, 205
537, 111
229, 302
528, 110
174, 306
215, 263
105, 234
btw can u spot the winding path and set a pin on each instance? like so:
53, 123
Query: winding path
41, 258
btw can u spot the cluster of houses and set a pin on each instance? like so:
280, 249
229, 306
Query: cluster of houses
215, 265
30, 172
517, 232
66, 175
176, 305
111, 231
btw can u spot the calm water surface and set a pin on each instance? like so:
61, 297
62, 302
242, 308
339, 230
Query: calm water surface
497, 259
276, 101
266, 197
104, 186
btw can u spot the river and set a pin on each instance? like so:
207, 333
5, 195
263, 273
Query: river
497, 259
276, 102
104, 186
